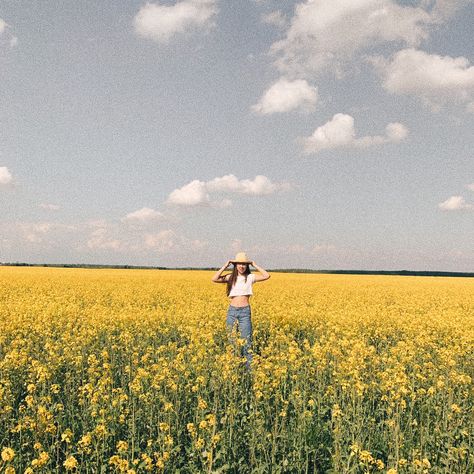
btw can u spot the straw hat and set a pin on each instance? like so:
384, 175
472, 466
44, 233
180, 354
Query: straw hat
241, 257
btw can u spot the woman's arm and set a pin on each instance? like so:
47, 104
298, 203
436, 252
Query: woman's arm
218, 278
264, 275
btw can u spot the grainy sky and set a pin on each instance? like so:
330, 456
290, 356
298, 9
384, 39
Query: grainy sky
317, 134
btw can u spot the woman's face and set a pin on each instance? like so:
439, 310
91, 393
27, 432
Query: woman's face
241, 267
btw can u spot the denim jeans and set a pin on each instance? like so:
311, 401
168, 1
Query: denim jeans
241, 317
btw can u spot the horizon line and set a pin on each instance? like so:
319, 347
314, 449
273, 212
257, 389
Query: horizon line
401, 272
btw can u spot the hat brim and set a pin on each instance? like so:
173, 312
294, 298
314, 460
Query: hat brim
240, 261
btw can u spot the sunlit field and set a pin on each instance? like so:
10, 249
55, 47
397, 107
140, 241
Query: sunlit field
131, 371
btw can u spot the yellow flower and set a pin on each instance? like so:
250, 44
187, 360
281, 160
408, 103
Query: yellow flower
366, 457
7, 454
211, 418
345, 344
101, 429
148, 461
191, 429
355, 448
122, 446
67, 436
42, 459
70, 463
200, 443
85, 440
202, 403
456, 408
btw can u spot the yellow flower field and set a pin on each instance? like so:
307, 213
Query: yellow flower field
131, 371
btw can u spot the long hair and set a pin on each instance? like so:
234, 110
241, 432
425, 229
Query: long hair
233, 277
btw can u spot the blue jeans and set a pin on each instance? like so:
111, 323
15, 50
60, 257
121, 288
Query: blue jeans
241, 317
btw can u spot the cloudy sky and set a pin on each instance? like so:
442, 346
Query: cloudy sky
317, 134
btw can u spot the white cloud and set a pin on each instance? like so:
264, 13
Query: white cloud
221, 204
49, 207
259, 186
197, 192
126, 240
191, 194
340, 132
285, 95
161, 22
455, 203
5, 175
396, 132
143, 215
324, 35
4, 30
162, 241
99, 240
433, 78
39, 232
35, 232
276, 18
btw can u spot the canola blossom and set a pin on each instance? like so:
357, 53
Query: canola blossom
131, 371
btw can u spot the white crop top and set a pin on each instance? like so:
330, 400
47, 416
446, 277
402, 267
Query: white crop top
243, 287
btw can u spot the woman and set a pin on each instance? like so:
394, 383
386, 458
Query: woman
239, 290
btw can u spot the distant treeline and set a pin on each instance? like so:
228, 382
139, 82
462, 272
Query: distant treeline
278, 270
380, 272
80, 265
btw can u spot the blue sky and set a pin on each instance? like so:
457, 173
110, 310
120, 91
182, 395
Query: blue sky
315, 134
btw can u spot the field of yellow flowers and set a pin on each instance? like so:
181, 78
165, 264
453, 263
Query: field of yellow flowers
131, 371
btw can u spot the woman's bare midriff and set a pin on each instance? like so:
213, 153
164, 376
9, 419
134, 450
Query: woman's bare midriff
239, 301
